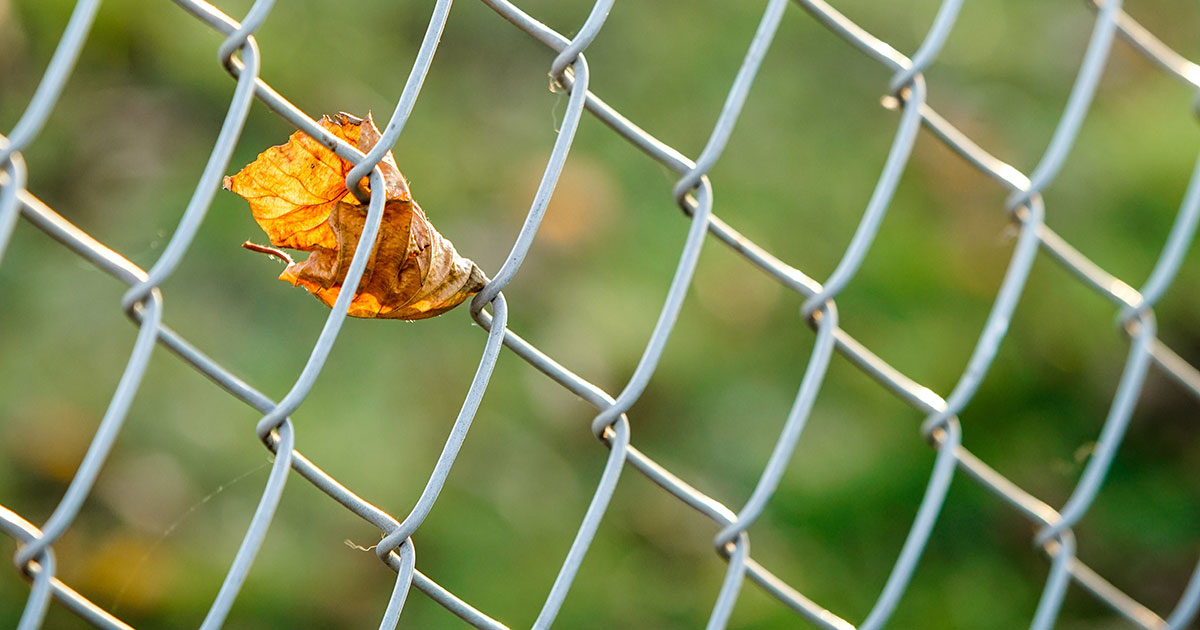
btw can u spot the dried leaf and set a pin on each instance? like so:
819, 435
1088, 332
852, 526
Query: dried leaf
297, 193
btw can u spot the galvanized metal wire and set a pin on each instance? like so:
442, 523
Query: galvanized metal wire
693, 191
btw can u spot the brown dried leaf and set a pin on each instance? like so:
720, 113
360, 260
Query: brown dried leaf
297, 193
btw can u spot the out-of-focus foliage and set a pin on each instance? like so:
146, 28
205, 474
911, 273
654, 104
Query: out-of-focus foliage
125, 145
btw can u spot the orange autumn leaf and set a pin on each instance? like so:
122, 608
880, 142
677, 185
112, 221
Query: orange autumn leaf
297, 194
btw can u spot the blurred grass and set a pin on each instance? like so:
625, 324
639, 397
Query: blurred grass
124, 146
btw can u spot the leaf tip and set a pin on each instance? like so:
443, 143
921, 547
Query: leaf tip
476, 281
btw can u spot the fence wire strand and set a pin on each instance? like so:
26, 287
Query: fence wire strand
694, 193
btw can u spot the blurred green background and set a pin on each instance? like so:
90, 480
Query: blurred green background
124, 147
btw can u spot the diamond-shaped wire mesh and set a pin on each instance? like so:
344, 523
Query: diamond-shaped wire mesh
694, 193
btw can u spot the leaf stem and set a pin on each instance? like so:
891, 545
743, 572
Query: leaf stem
270, 251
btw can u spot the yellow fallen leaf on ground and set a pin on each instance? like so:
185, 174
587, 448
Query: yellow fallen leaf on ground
297, 194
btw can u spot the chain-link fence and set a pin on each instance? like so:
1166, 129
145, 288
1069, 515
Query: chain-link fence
144, 304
